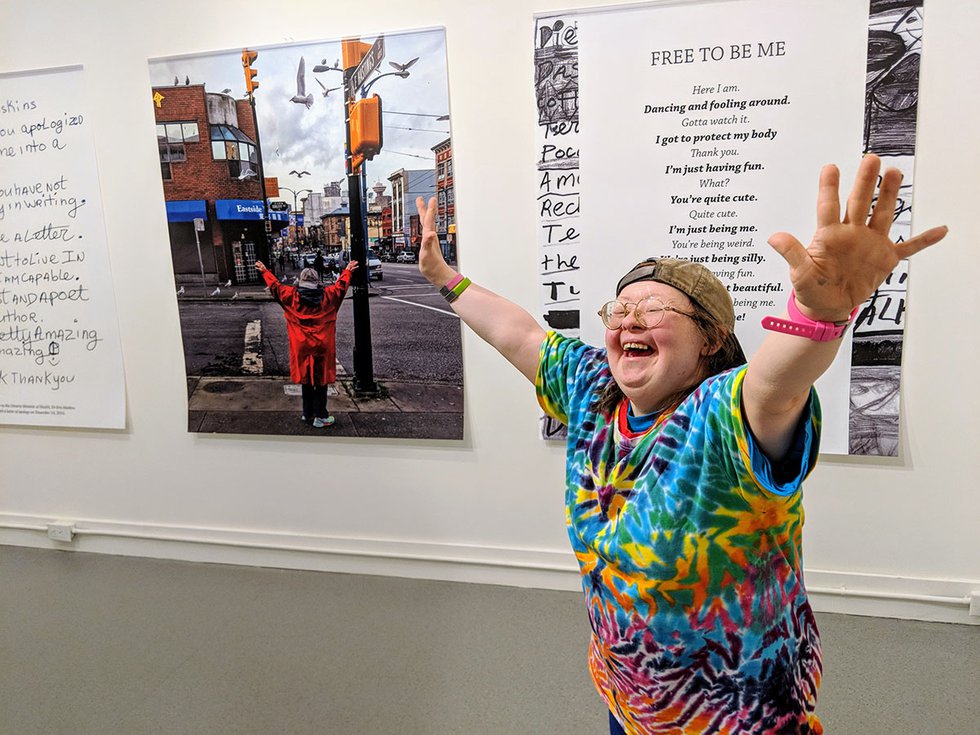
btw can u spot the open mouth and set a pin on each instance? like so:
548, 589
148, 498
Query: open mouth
636, 349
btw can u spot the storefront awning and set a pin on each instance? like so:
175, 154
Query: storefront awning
249, 209
187, 211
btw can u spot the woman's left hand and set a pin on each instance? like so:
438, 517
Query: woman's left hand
848, 259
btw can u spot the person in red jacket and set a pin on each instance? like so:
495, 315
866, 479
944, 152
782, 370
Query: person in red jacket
311, 323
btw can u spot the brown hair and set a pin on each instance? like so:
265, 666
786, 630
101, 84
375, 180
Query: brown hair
726, 353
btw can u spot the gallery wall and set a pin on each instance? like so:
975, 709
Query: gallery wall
884, 536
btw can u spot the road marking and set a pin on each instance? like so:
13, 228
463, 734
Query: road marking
252, 357
421, 306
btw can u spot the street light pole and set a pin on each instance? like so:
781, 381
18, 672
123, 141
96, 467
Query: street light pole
295, 208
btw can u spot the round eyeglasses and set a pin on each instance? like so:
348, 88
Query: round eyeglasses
648, 312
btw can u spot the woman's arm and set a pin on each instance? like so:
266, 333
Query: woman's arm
845, 262
503, 324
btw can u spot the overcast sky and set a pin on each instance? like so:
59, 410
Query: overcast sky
294, 137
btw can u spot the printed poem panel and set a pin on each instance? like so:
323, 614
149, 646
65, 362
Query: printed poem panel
60, 359
703, 130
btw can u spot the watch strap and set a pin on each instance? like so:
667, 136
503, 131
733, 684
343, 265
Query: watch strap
800, 325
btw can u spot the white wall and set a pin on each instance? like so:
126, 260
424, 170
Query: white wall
902, 535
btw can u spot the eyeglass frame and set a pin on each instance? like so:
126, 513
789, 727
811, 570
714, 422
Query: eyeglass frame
665, 306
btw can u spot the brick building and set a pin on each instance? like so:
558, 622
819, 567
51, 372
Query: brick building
211, 171
445, 198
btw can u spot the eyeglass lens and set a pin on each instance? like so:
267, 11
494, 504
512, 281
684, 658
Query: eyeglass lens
648, 313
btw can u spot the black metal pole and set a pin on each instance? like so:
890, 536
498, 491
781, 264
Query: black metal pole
266, 222
363, 356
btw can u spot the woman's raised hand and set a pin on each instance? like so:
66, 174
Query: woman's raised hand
260, 266
431, 263
848, 259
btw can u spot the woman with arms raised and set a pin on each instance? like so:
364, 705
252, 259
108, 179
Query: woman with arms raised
684, 466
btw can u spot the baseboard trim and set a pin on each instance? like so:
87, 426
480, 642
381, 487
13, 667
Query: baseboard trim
853, 593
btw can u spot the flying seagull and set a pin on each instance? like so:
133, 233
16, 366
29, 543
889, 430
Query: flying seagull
325, 90
228, 284
246, 174
301, 97
226, 90
402, 67
299, 174
180, 291
216, 292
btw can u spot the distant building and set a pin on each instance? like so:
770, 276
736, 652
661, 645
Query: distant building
446, 198
336, 230
211, 172
405, 187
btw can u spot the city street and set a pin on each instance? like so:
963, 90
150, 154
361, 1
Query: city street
237, 357
415, 335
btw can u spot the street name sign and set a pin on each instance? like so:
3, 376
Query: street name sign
368, 64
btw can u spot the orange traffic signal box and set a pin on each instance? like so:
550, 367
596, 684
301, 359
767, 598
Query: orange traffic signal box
365, 127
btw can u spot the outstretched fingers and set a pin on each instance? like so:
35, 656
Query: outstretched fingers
863, 191
791, 250
427, 214
828, 197
884, 211
921, 241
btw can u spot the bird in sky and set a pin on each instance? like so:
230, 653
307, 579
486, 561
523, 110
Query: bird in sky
235, 296
402, 67
216, 292
226, 90
301, 97
247, 174
325, 90
228, 284
180, 291
299, 174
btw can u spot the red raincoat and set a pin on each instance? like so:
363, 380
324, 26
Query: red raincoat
312, 332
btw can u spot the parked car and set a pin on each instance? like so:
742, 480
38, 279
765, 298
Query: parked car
374, 266
405, 256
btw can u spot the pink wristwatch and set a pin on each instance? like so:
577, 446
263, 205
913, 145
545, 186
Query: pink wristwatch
801, 325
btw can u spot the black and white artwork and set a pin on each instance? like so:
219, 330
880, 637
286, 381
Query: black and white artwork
891, 103
558, 196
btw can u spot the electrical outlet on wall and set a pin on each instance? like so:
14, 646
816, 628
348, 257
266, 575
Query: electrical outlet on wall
61, 531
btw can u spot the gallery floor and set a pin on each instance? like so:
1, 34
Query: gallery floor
103, 645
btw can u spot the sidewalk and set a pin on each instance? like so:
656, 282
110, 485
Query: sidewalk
272, 405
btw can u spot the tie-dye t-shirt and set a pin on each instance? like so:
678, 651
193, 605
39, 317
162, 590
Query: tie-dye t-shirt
690, 556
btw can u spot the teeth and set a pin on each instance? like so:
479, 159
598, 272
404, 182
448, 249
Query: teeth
636, 346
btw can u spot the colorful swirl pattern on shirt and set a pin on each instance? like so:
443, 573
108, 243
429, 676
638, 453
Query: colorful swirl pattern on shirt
690, 556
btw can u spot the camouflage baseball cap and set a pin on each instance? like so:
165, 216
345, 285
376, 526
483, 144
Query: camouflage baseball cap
699, 283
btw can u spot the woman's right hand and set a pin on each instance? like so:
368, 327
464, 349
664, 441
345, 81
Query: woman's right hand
431, 263
260, 266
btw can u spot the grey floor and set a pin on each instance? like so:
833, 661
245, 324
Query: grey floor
101, 645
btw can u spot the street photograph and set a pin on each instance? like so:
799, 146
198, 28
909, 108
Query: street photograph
290, 176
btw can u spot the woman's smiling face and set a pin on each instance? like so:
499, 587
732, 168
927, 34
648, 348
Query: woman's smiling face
652, 364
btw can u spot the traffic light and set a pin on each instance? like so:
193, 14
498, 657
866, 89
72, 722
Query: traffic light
248, 58
366, 135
